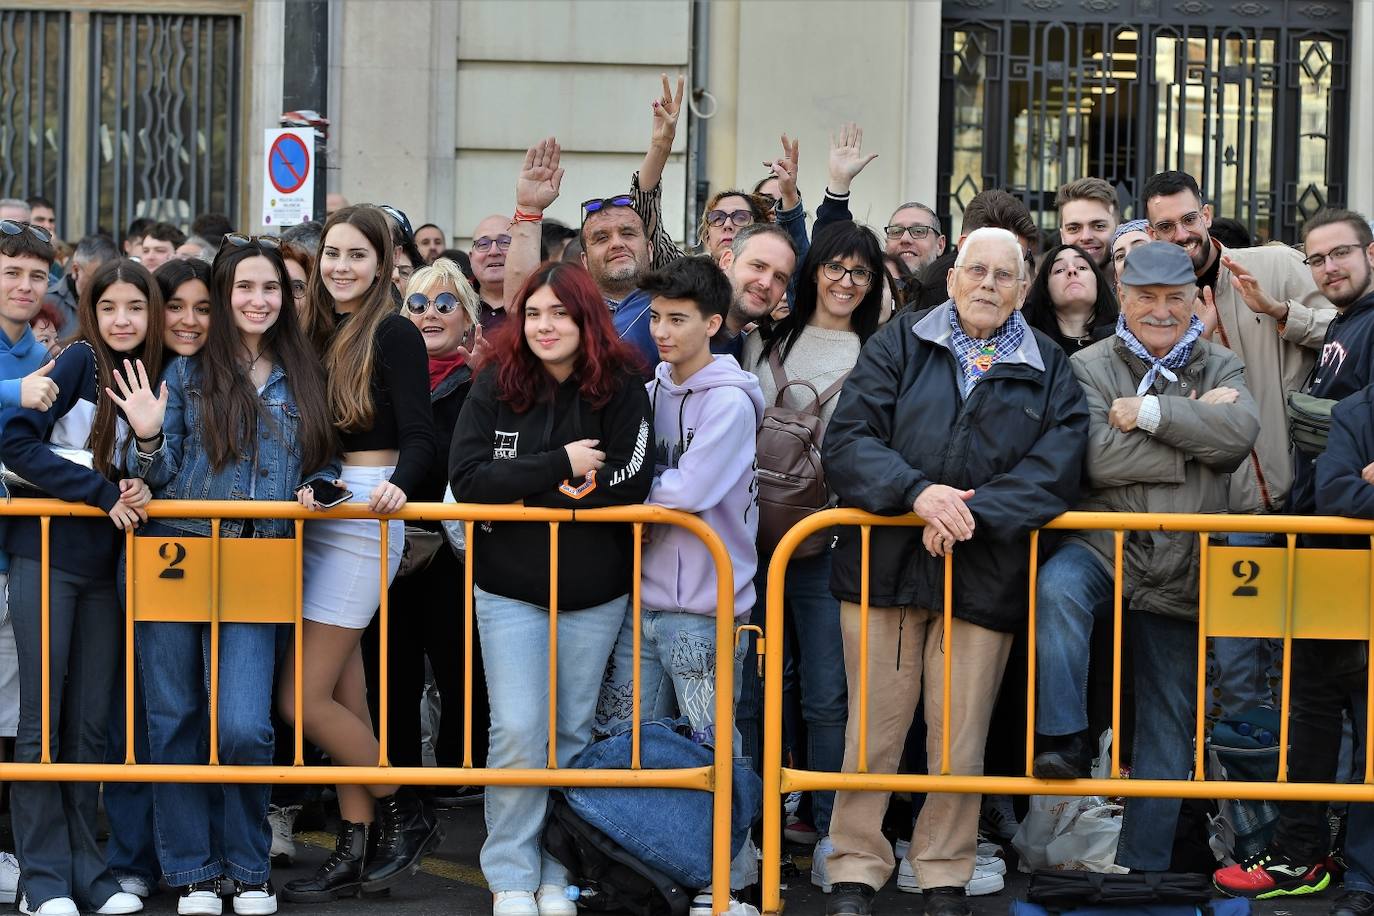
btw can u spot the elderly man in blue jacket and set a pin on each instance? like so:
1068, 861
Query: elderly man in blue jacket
972, 420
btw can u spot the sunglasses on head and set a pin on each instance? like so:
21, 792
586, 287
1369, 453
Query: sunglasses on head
400, 218
444, 303
270, 242
597, 204
14, 227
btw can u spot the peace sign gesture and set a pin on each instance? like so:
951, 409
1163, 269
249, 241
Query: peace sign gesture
141, 407
666, 111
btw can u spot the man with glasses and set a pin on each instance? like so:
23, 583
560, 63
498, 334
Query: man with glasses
1268, 311
1325, 673
490, 242
913, 235
1088, 216
984, 454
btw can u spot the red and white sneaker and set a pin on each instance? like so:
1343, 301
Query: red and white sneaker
1271, 876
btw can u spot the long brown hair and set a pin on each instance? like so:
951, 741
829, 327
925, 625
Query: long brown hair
230, 405
349, 355
101, 441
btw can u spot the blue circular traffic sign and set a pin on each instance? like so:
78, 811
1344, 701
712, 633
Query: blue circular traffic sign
288, 163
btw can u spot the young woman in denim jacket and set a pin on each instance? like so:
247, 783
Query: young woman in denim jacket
245, 419
119, 317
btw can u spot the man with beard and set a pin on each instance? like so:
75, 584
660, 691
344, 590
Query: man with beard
759, 264
1327, 675
1088, 216
1267, 311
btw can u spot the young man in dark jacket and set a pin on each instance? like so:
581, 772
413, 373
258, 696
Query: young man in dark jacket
973, 421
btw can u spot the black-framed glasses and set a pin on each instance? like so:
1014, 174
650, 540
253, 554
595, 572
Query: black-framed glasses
270, 242
835, 271
1187, 221
917, 231
444, 303
14, 227
719, 218
597, 204
1339, 253
979, 272
484, 243
401, 220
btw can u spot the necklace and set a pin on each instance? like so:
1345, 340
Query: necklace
255, 360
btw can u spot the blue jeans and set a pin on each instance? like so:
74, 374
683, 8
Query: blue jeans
1072, 593
515, 652
1242, 678
1165, 653
813, 615
131, 849
174, 659
677, 670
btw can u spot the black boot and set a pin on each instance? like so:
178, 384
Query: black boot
341, 874
406, 830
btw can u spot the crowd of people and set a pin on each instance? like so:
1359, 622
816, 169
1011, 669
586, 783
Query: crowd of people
986, 383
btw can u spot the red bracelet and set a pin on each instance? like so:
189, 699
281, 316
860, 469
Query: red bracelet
522, 217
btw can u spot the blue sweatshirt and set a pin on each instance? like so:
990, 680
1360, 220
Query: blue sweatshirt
17, 360
84, 546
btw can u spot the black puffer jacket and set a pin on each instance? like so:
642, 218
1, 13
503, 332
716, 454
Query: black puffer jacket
901, 425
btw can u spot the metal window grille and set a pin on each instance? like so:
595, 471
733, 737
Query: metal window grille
33, 103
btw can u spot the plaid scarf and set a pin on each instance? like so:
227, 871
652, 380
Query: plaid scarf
1176, 358
975, 357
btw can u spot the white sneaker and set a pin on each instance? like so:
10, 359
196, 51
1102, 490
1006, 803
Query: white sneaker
283, 821
986, 880
254, 899
988, 849
983, 862
514, 903
57, 906
701, 904
201, 899
552, 900
820, 857
121, 903
133, 884
9, 877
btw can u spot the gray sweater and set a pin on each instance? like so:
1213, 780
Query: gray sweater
820, 357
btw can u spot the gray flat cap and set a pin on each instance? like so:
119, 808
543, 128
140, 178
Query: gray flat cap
1157, 263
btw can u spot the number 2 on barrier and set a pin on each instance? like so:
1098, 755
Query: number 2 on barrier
1247, 588
172, 580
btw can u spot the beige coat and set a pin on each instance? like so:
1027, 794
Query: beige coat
1276, 362
1181, 467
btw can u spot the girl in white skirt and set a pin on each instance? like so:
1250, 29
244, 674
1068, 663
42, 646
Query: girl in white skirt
378, 387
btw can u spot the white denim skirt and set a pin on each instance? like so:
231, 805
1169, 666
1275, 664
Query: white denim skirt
342, 558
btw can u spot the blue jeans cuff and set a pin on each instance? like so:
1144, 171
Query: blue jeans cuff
246, 875
204, 873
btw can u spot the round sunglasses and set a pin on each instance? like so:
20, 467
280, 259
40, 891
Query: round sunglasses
444, 303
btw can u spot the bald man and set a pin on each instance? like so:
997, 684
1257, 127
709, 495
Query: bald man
490, 242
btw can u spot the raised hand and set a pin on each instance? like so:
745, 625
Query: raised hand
536, 188
36, 390
481, 349
846, 157
667, 108
786, 170
141, 407
1259, 302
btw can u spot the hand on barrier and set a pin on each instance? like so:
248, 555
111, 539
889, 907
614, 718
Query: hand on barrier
786, 170
134, 493
584, 456
36, 390
143, 409
936, 544
386, 498
943, 509
126, 517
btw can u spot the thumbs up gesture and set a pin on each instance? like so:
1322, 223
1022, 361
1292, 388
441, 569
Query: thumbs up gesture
36, 390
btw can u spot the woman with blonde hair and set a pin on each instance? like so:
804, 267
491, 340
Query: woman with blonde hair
377, 391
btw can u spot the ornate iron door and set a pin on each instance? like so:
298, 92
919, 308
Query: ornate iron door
33, 104
1248, 96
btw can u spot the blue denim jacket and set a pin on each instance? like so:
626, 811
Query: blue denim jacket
181, 468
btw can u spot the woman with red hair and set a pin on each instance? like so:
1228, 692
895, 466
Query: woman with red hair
557, 418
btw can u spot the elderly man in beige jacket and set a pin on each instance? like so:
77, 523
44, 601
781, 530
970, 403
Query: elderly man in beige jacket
1263, 305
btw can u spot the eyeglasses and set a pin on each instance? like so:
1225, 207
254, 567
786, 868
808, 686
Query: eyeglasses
484, 243
270, 242
444, 303
917, 231
979, 272
1339, 253
14, 227
298, 289
835, 272
1167, 226
719, 218
400, 219
597, 204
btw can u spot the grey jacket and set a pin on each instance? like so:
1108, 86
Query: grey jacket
1184, 466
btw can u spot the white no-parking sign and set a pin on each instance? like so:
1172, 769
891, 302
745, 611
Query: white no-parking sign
288, 187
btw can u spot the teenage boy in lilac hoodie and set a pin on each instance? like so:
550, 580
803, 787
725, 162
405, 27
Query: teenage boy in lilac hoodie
706, 413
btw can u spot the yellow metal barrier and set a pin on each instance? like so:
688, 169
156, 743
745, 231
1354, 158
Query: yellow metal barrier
1276, 592
222, 580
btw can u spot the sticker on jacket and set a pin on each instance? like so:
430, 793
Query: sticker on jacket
581, 490
505, 446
